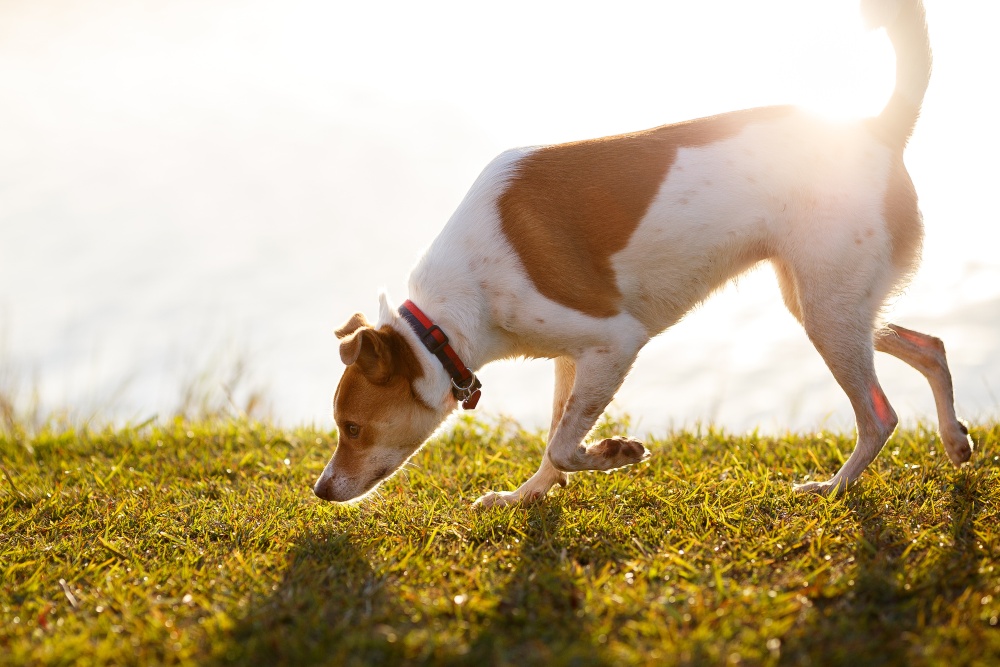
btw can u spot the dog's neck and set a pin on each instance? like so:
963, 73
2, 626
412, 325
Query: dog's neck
437, 385
452, 282
462, 320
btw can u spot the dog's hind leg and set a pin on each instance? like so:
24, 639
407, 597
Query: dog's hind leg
926, 354
849, 355
838, 308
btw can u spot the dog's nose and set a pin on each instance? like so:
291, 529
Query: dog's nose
323, 489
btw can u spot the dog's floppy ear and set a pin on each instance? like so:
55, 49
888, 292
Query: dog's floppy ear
356, 322
368, 348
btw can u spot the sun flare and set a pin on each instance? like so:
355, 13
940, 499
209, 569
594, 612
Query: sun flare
855, 79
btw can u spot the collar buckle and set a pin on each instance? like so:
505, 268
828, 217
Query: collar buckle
432, 342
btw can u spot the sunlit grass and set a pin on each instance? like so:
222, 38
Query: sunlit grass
201, 543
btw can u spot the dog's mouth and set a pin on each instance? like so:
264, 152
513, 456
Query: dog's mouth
325, 489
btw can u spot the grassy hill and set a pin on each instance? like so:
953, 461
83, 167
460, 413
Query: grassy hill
201, 543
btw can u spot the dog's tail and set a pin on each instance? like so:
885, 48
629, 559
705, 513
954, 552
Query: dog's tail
906, 24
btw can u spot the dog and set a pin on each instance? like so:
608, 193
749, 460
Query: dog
582, 252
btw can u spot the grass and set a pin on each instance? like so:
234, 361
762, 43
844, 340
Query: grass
201, 543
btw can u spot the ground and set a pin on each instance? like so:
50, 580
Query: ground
201, 543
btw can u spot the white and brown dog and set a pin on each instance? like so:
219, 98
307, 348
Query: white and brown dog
582, 252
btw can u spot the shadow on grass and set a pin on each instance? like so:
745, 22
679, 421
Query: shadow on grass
328, 609
333, 606
896, 598
541, 616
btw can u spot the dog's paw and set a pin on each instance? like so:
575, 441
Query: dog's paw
617, 452
832, 487
957, 443
505, 498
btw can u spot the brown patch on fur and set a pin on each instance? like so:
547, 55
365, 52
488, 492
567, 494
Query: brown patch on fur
906, 229
571, 207
378, 354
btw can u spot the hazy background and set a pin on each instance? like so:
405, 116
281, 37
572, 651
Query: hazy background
187, 183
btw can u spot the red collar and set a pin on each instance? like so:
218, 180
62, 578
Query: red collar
465, 385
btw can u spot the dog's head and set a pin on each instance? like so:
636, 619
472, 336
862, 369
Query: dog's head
381, 416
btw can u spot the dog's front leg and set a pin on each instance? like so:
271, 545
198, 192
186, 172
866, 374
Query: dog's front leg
534, 489
584, 387
547, 476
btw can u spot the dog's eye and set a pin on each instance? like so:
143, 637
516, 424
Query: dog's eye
352, 430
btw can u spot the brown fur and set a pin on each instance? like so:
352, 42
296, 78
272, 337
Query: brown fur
357, 321
377, 380
376, 358
376, 403
572, 206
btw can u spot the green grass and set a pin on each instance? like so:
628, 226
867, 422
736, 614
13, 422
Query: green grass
203, 544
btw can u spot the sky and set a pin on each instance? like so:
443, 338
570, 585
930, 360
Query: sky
186, 184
